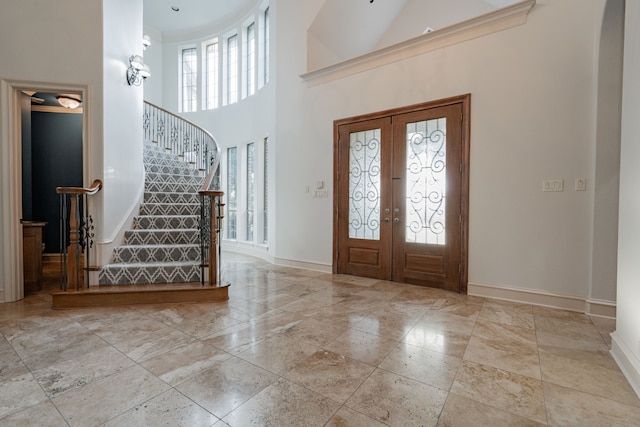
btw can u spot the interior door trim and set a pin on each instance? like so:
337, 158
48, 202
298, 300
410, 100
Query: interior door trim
465, 101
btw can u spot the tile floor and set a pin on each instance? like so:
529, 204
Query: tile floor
300, 348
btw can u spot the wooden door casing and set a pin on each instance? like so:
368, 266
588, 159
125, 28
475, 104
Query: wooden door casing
407, 262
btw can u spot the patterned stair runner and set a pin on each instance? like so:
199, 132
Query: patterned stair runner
163, 246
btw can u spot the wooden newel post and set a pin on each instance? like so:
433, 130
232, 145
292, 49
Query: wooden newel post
75, 269
71, 262
213, 244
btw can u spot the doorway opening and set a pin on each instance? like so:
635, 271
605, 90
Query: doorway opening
401, 191
11, 164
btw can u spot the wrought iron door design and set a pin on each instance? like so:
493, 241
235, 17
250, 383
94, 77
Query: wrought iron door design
400, 196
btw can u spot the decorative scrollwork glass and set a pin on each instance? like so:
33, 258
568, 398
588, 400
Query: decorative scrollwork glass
426, 182
364, 185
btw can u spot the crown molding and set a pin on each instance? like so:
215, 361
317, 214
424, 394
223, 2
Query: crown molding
501, 19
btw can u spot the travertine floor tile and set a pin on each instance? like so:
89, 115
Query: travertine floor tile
315, 332
346, 417
226, 385
278, 354
504, 347
284, 403
510, 314
462, 412
505, 390
81, 370
567, 407
97, 402
420, 364
398, 401
330, 374
592, 372
362, 346
578, 335
185, 362
18, 393
43, 414
168, 409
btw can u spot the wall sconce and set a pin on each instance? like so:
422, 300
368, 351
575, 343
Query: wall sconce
138, 71
146, 41
68, 101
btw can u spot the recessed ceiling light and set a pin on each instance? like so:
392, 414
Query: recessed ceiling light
175, 8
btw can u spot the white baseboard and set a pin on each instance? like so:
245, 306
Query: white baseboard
600, 308
258, 251
306, 265
593, 307
262, 252
627, 361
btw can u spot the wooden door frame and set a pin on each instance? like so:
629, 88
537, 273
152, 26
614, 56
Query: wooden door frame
465, 100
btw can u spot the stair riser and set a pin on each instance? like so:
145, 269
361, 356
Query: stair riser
171, 162
165, 222
167, 209
161, 237
119, 275
142, 254
172, 170
174, 179
172, 198
164, 187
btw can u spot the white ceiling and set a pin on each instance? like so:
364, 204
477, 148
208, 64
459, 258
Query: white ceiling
193, 14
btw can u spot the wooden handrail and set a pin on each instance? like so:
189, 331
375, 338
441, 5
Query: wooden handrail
95, 187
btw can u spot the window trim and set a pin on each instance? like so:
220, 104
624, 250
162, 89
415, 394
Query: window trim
181, 79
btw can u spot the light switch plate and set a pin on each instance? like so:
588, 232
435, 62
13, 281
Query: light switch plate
553, 185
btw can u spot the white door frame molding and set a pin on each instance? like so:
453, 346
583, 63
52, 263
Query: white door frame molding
11, 267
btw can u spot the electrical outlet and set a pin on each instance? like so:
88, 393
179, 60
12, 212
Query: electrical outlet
553, 185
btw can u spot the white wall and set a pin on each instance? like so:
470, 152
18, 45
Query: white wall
607, 154
153, 58
626, 339
535, 115
533, 109
123, 133
43, 44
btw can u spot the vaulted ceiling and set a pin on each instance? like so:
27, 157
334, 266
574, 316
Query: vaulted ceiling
345, 29
193, 15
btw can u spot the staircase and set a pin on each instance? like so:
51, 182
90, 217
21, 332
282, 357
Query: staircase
163, 246
161, 259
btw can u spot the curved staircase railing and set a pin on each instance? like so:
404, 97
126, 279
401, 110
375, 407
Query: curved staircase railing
198, 147
181, 137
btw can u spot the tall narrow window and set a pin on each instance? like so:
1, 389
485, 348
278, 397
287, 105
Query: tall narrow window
189, 70
265, 200
250, 189
211, 91
232, 191
266, 45
232, 69
251, 59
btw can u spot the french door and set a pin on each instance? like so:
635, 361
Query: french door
401, 185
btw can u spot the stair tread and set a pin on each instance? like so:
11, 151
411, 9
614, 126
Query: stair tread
152, 264
176, 245
161, 230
